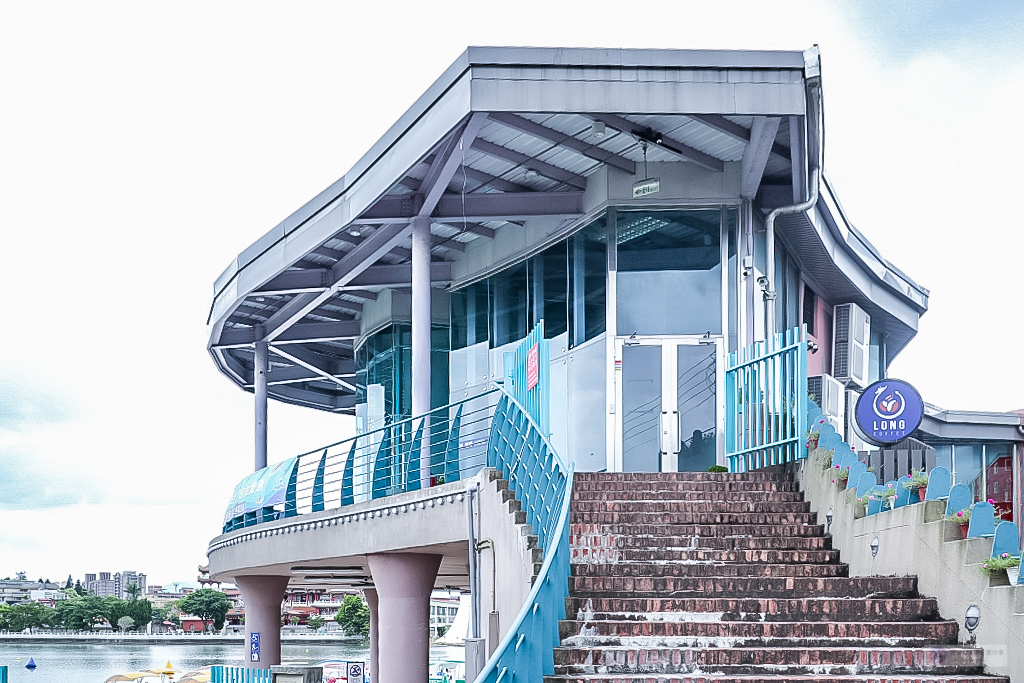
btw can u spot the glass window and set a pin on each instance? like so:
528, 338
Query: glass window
810, 309
999, 477
669, 272
588, 260
876, 356
510, 305
731, 225
549, 286
385, 358
469, 315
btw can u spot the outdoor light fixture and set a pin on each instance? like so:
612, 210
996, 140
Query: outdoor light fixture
874, 547
355, 231
971, 620
828, 521
597, 129
812, 346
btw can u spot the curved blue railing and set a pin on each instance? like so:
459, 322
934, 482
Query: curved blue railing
542, 483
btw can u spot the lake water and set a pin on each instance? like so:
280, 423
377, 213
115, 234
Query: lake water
94, 663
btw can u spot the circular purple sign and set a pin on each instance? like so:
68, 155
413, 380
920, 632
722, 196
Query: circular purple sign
889, 411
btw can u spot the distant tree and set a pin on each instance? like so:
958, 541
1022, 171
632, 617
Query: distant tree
315, 623
83, 613
133, 591
353, 616
30, 615
5, 616
207, 604
79, 588
125, 623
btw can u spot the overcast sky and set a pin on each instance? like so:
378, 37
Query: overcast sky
144, 144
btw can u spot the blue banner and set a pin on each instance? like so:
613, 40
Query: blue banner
260, 489
889, 411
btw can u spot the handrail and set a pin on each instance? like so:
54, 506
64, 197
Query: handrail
526, 651
370, 465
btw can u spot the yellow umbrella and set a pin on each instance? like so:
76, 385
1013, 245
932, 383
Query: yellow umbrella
167, 670
130, 676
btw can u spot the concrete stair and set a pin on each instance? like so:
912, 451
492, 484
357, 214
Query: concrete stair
726, 577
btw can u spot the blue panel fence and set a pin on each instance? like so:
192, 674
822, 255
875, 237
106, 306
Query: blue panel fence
3, 674
766, 402
237, 674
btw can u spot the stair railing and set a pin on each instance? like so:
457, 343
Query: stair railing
542, 483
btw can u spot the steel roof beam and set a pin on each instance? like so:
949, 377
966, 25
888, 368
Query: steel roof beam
362, 256
311, 361
311, 397
735, 131
374, 276
542, 168
242, 337
506, 206
537, 130
669, 145
755, 156
297, 373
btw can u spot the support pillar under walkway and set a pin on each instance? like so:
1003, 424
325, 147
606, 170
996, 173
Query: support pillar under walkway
371, 601
403, 582
262, 596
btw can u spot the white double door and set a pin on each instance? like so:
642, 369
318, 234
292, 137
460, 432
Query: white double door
669, 413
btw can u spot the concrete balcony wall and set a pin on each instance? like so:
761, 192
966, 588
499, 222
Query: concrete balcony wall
916, 540
417, 521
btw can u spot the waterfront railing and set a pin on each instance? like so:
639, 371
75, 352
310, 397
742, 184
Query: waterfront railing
445, 445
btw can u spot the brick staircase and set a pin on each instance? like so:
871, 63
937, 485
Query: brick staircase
727, 578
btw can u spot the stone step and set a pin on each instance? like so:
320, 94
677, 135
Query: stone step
781, 587
757, 634
652, 496
721, 477
768, 678
580, 532
708, 569
711, 530
775, 660
645, 517
757, 609
657, 507
702, 555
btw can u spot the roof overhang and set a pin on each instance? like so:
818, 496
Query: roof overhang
502, 140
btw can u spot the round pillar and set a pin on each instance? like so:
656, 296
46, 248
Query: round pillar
371, 601
403, 582
262, 596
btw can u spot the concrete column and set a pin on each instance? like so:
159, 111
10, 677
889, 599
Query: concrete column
371, 601
404, 582
262, 596
421, 335
259, 375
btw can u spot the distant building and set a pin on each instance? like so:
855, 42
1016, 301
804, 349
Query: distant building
114, 585
17, 592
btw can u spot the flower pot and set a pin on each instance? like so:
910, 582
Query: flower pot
841, 483
859, 512
963, 530
1011, 574
916, 495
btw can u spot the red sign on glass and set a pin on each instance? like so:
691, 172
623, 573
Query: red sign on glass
532, 366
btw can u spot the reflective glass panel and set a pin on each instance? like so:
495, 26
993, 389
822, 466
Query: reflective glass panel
641, 408
695, 397
669, 278
588, 260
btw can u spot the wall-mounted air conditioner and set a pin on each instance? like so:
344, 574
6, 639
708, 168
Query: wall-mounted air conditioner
853, 437
851, 332
830, 395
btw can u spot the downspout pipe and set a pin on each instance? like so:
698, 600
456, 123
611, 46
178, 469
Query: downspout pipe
816, 137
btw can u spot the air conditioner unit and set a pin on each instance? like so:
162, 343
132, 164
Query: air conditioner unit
853, 437
830, 396
852, 333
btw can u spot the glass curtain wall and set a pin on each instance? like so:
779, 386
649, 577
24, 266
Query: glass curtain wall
564, 285
669, 272
385, 358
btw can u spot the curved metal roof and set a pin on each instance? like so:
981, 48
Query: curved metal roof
501, 139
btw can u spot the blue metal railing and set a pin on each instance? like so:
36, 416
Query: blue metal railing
375, 464
237, 674
542, 484
766, 402
3, 674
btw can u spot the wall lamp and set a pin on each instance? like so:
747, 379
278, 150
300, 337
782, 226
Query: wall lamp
971, 620
874, 547
828, 520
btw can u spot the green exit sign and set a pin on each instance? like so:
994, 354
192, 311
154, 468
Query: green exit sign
646, 187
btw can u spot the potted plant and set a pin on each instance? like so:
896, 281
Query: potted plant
840, 476
861, 508
963, 518
813, 434
997, 565
888, 495
917, 485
